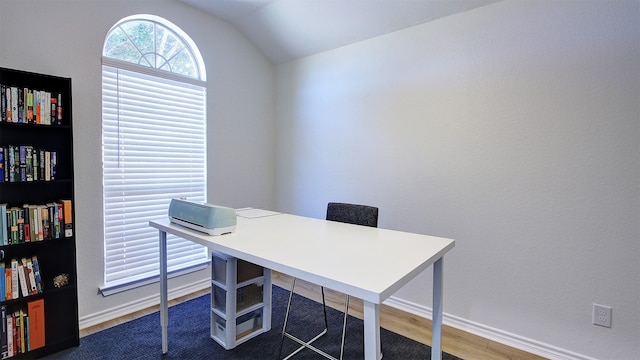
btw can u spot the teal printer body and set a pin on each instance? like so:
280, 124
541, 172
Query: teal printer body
208, 218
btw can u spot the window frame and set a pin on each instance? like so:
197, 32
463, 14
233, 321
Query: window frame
112, 287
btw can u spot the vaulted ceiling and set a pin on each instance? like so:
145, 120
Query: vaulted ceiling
285, 30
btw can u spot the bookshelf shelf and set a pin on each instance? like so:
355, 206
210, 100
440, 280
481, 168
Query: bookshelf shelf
45, 318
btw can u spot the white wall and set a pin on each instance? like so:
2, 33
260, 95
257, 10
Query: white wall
514, 129
65, 38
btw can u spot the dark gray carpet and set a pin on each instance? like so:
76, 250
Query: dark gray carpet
189, 338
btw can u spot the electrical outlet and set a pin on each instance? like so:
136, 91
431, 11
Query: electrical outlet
602, 315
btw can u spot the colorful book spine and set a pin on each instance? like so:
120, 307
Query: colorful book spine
3, 293
4, 346
67, 217
4, 240
36, 273
36, 329
14, 104
23, 329
3, 104
1, 164
23, 279
23, 273
20, 163
10, 337
8, 288
20, 105
15, 286
30, 106
35, 222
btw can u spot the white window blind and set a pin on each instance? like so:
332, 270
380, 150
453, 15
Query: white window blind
153, 150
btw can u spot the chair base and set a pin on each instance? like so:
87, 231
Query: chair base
308, 344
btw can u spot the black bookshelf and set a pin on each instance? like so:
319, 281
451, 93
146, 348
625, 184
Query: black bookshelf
56, 256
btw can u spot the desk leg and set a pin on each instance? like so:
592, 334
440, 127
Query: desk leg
436, 325
164, 308
371, 331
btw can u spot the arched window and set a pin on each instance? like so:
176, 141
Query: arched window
153, 143
154, 42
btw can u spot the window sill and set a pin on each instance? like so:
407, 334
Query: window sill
111, 289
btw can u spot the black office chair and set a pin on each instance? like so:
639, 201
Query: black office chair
346, 213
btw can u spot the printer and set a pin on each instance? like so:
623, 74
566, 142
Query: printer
207, 218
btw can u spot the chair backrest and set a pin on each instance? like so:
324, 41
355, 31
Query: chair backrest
353, 214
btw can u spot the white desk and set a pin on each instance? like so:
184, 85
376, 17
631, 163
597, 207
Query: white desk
365, 262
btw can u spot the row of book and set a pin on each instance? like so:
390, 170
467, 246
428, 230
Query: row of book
21, 278
23, 329
35, 222
30, 106
20, 163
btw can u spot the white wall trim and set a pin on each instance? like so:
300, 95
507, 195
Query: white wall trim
140, 304
487, 332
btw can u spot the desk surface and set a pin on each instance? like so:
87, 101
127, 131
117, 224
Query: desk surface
369, 263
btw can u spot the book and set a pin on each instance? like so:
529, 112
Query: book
59, 110
20, 215
35, 162
40, 222
14, 104
22, 331
27, 334
68, 217
16, 163
41, 162
54, 222
3, 337
8, 291
29, 163
54, 110
4, 240
31, 278
23, 162
3, 293
47, 165
22, 279
26, 224
36, 273
7, 91
46, 107
15, 292
35, 312
13, 225
5, 164
20, 105
54, 164
59, 222
1, 164
29, 216
29, 106
37, 106
3, 104
46, 234
10, 335
11, 162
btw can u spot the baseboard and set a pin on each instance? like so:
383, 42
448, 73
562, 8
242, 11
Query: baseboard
487, 332
140, 304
